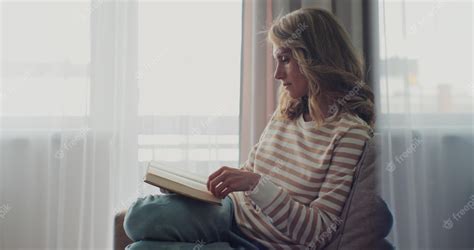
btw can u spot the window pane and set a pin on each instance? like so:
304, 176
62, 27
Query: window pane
189, 58
189, 82
426, 56
45, 58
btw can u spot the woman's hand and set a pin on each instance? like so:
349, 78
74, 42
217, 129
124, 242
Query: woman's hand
227, 180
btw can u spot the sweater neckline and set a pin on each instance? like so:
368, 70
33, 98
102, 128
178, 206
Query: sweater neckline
304, 124
312, 124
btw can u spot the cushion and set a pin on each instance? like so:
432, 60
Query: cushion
366, 219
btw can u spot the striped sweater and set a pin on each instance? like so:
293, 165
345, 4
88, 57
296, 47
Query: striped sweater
306, 175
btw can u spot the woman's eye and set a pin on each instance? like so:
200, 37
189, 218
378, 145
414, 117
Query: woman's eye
285, 59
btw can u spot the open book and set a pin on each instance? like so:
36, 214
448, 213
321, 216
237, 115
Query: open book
176, 180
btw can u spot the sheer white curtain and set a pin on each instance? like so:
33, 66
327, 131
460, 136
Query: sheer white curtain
92, 90
425, 100
68, 138
189, 81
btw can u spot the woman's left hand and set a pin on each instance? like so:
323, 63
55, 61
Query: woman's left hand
231, 180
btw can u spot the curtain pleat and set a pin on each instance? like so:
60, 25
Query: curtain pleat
63, 177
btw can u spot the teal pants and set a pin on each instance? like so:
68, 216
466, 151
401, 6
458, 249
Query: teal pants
174, 221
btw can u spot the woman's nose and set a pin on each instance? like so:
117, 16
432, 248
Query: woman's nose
279, 73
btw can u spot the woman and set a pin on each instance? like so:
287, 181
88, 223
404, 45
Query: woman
297, 177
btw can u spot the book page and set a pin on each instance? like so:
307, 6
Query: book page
190, 182
179, 172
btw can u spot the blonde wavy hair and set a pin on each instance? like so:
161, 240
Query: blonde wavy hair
330, 63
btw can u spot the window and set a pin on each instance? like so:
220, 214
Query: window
45, 62
189, 83
426, 57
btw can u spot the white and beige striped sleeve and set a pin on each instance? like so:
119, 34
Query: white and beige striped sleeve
249, 163
305, 224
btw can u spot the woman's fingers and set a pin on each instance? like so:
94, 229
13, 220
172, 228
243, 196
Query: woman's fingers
219, 189
213, 184
226, 192
225, 185
214, 175
227, 180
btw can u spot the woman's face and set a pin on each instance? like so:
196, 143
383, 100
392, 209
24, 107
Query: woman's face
288, 72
